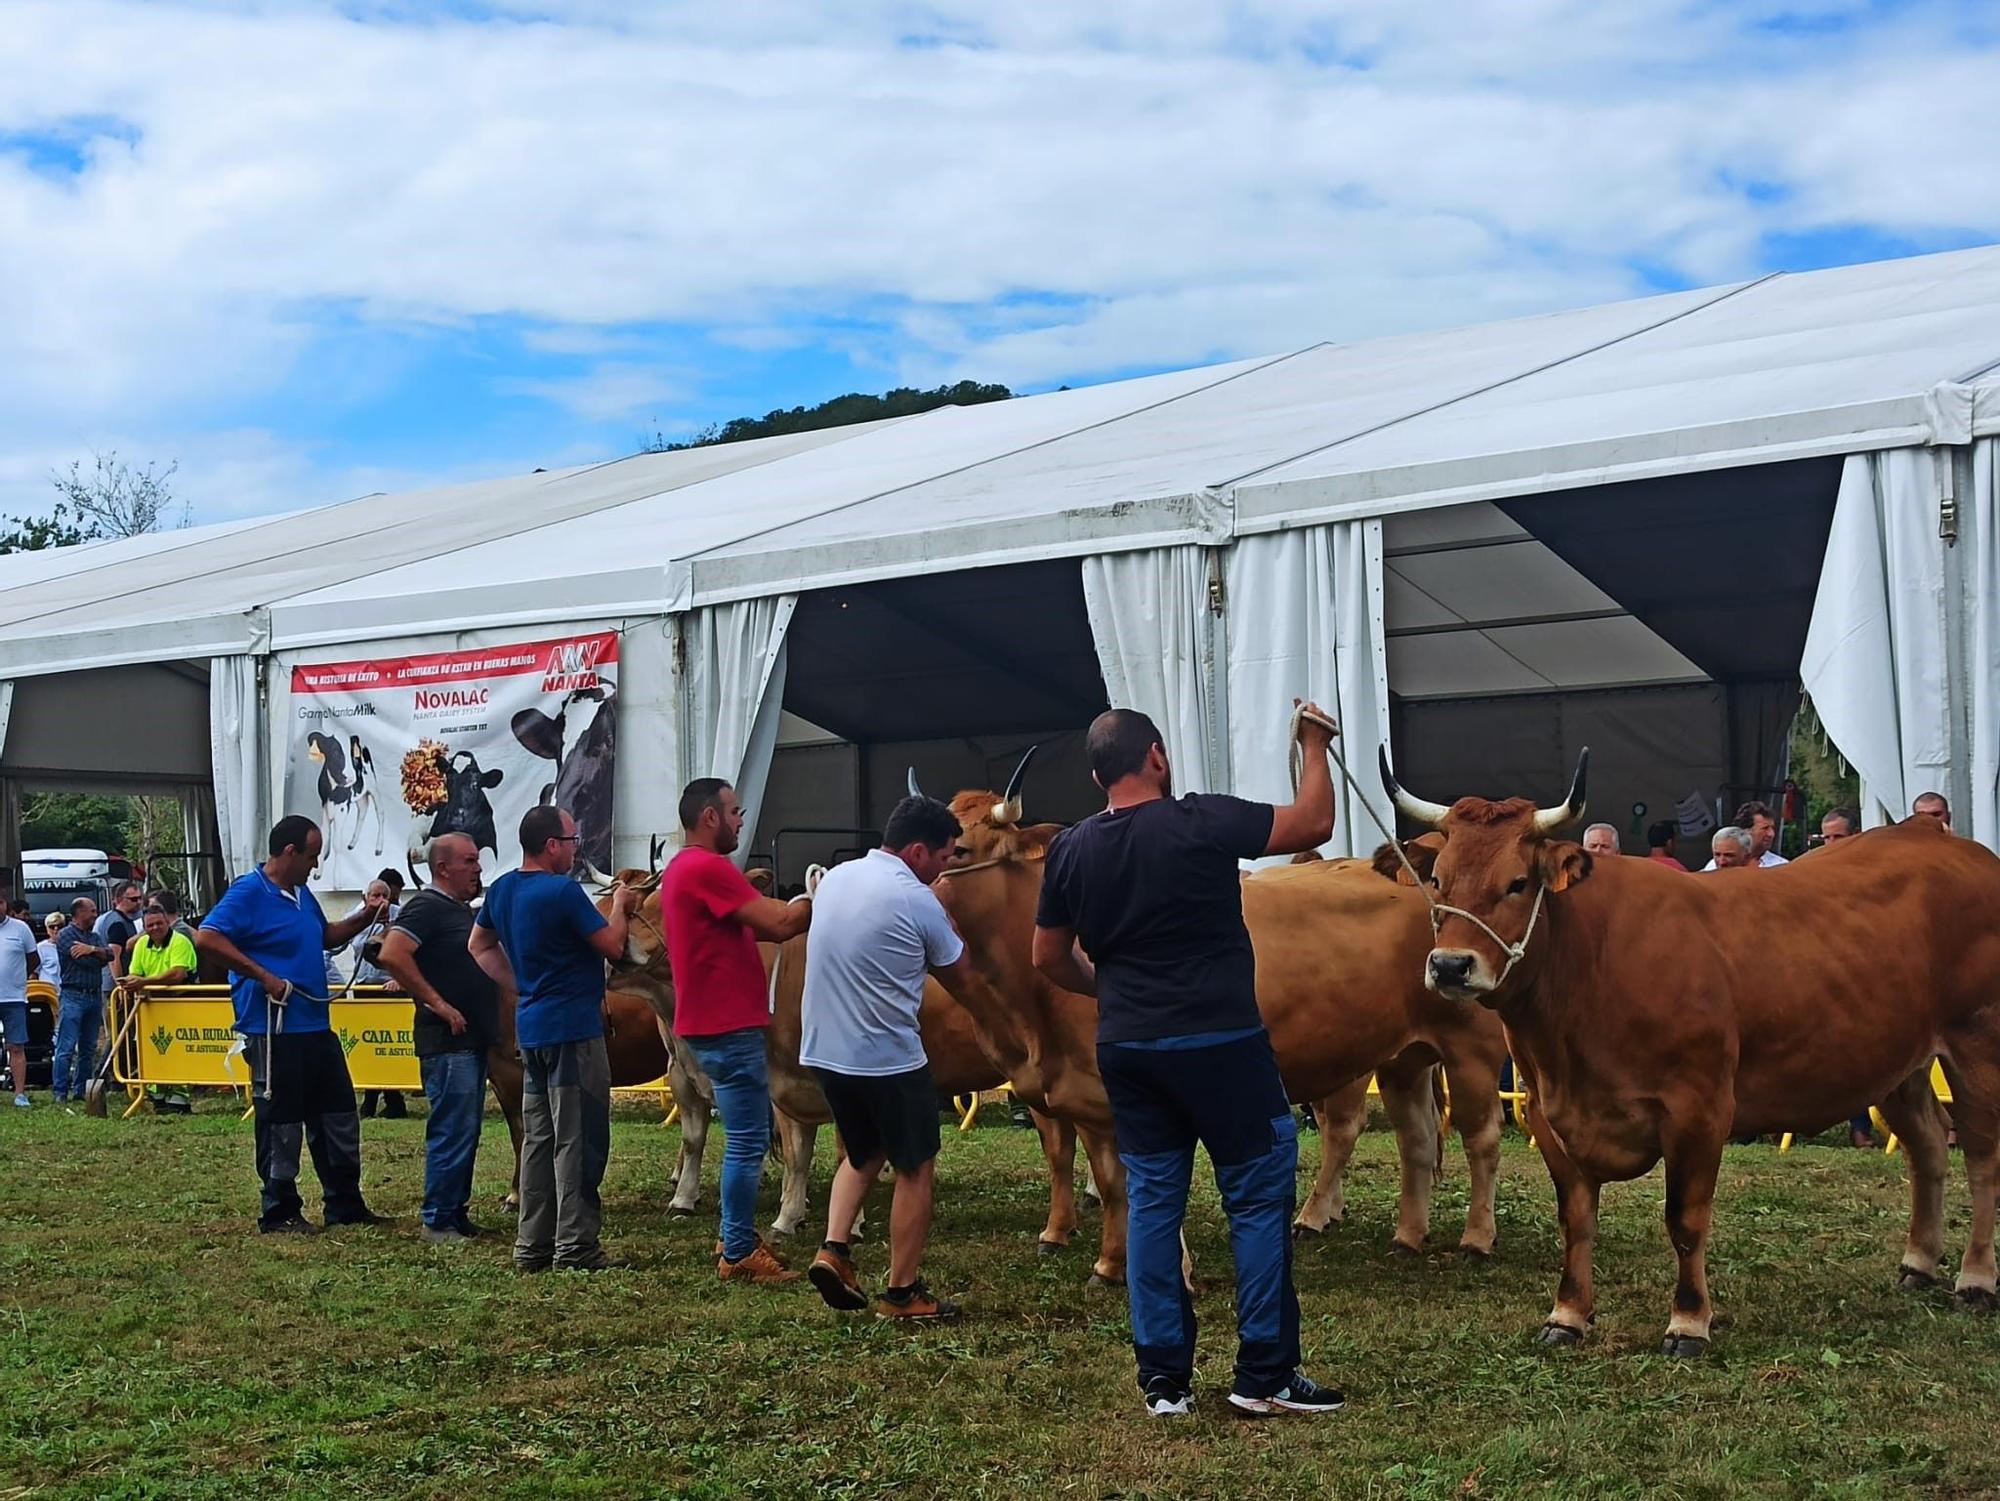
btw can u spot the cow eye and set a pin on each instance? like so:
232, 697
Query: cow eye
1516, 886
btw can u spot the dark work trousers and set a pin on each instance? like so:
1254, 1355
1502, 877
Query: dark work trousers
1228, 1097
310, 1100
565, 1142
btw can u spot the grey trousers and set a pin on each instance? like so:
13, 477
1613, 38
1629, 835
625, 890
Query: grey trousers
565, 1141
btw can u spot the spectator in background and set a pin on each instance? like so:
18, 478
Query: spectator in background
539, 936
1932, 805
168, 901
19, 963
1839, 824
1755, 820
388, 893
1600, 840
1660, 844
83, 958
51, 969
425, 952
1730, 847
162, 955
269, 929
118, 927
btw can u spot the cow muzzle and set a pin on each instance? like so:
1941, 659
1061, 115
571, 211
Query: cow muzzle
1458, 975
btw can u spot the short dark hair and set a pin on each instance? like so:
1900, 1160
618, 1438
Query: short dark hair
291, 832
920, 820
1752, 810
121, 889
391, 877
1660, 835
1849, 816
700, 794
1930, 797
539, 825
1118, 742
17, 904
167, 900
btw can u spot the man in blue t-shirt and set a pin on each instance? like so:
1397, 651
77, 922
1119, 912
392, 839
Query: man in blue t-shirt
269, 929
539, 935
1142, 907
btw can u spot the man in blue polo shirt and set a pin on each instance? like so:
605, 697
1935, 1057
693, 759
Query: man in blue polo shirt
1142, 907
269, 929
539, 935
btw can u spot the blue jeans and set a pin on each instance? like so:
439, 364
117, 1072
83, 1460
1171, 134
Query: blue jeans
455, 1084
76, 1044
1229, 1098
734, 1063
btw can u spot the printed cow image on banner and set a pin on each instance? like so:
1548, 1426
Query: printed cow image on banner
387, 754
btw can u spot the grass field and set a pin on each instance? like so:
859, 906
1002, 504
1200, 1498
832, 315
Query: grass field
151, 1346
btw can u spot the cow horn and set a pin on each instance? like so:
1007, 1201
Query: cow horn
596, 877
1430, 815
1548, 820
659, 843
915, 790
410, 863
1008, 810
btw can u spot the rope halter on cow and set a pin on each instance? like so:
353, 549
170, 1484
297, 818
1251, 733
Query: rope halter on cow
1547, 820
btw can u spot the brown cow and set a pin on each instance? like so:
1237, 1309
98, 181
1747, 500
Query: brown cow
1658, 1016
1334, 949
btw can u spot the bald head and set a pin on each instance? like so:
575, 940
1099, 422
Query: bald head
454, 863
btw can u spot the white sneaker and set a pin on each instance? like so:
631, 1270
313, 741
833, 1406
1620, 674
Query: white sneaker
22, 1102
1299, 1395
1167, 1399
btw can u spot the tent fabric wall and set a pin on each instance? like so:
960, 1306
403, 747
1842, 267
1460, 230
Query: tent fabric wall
1305, 620
1156, 633
241, 771
732, 693
10, 826
1901, 654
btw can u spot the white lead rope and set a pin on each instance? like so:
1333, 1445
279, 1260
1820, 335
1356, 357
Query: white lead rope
1515, 952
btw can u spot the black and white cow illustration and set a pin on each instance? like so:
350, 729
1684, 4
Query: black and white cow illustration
465, 809
581, 740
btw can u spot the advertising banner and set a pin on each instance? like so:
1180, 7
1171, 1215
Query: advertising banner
388, 753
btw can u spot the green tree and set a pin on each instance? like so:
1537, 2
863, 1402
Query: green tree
78, 820
33, 533
840, 411
117, 500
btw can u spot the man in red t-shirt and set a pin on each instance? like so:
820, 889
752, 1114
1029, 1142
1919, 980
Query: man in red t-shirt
713, 919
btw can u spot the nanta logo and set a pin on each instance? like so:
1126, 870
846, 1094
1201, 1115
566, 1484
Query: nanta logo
571, 665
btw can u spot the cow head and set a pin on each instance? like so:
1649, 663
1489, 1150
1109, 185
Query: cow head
990, 824
1489, 868
581, 741
466, 809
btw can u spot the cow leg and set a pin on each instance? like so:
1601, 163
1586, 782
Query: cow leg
1475, 1110
1340, 1116
1972, 1069
1408, 1097
503, 1071
1913, 1113
691, 1095
1693, 1159
1576, 1209
1059, 1150
797, 1140
1102, 1149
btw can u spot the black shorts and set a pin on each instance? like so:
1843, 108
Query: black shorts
884, 1115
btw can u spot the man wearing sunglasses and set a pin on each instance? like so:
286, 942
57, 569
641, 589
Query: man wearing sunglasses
539, 935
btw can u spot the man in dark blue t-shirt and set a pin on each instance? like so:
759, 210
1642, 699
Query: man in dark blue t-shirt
1142, 907
539, 935
269, 929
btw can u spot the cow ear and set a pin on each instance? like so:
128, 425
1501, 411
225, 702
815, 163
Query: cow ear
491, 778
1563, 864
1422, 853
537, 733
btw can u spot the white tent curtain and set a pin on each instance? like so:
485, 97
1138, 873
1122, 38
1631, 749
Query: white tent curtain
236, 743
732, 692
10, 854
1305, 621
1901, 655
1158, 643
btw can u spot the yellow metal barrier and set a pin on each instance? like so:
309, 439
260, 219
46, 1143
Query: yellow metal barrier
1938, 1087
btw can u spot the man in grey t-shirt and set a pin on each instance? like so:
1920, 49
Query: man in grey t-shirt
877, 930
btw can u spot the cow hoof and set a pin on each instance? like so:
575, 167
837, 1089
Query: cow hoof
1401, 1248
1977, 1299
1684, 1346
680, 1211
1476, 1253
1098, 1282
1050, 1248
1558, 1335
1302, 1231
1911, 1280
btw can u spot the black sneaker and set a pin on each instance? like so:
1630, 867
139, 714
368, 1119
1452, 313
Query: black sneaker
915, 1304
1168, 1398
469, 1230
1299, 1395
298, 1224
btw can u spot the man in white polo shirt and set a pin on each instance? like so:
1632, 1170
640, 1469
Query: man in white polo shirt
877, 929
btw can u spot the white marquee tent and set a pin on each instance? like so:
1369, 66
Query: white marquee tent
1485, 540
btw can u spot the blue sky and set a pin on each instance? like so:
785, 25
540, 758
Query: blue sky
308, 250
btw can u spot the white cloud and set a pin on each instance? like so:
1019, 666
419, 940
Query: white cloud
1164, 180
